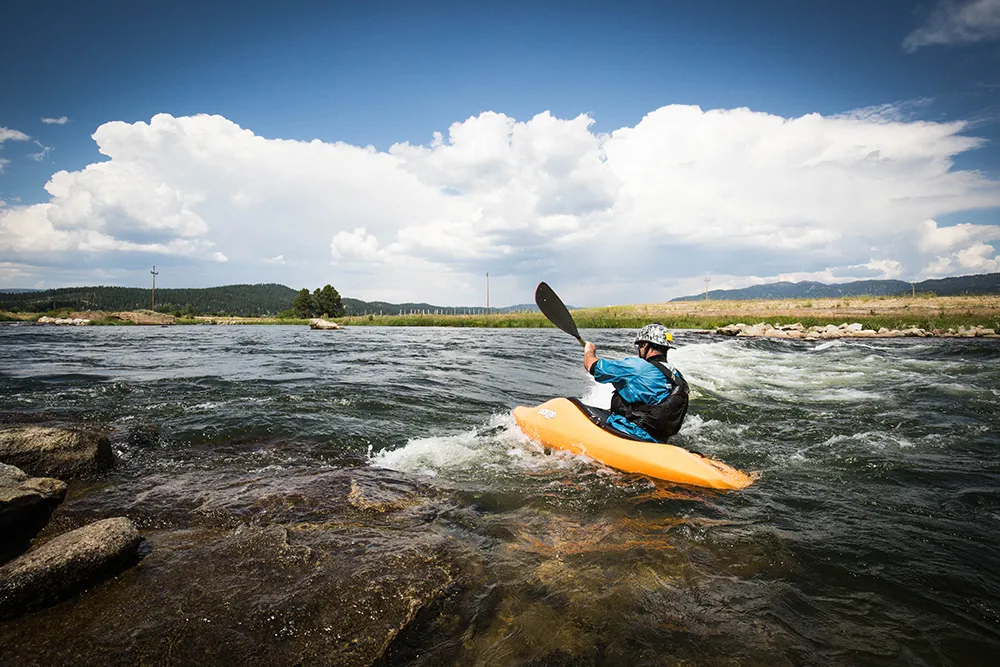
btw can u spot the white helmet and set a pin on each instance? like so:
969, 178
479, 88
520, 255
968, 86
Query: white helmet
656, 334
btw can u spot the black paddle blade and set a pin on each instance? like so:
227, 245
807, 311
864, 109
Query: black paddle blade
553, 308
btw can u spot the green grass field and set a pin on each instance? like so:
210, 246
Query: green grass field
925, 312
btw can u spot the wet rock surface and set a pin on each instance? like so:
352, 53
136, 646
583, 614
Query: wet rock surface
55, 450
340, 566
67, 564
26, 503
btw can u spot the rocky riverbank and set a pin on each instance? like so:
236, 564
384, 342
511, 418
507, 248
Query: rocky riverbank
854, 330
94, 317
340, 566
42, 575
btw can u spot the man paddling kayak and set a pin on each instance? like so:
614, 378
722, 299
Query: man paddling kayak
651, 397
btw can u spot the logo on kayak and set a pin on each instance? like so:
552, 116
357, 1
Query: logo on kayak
548, 414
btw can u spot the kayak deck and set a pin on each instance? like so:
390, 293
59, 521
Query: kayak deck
559, 423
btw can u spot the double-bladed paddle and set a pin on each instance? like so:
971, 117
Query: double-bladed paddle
553, 308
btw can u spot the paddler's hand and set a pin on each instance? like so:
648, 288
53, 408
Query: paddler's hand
589, 355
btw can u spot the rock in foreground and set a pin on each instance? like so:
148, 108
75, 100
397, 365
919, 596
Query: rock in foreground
26, 503
55, 451
67, 565
331, 567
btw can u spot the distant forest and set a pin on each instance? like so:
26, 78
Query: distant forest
245, 300
987, 283
239, 300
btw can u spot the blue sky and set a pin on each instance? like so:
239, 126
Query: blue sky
382, 74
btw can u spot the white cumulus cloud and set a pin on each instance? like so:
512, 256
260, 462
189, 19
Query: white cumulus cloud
61, 120
356, 245
952, 22
642, 213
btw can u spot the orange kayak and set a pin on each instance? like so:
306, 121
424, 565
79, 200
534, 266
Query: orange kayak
562, 424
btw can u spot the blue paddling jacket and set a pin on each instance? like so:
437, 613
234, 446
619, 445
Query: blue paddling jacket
650, 399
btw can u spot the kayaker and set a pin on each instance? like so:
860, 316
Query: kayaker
651, 397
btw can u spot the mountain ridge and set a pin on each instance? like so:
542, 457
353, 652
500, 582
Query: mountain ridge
983, 283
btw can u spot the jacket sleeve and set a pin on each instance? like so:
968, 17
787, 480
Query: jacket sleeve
609, 370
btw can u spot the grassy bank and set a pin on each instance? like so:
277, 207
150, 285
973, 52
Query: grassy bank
873, 312
925, 312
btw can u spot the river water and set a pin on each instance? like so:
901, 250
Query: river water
871, 536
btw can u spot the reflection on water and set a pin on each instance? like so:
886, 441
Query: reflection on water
318, 460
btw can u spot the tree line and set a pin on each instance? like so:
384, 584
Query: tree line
243, 300
322, 302
240, 300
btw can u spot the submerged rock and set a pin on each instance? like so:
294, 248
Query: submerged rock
334, 567
55, 451
26, 503
67, 565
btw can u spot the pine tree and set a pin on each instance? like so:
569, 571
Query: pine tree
317, 296
328, 302
303, 303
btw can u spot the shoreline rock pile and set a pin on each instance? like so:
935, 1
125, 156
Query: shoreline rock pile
855, 330
31, 454
75, 321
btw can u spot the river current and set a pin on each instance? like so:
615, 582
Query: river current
871, 536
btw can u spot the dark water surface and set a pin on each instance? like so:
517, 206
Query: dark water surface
872, 537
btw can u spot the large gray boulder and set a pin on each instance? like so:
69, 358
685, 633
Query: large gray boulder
26, 503
67, 565
55, 451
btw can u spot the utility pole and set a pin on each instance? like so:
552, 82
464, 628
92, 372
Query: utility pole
487, 292
706, 288
913, 290
152, 305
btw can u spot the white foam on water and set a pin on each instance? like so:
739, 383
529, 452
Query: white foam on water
735, 370
696, 427
496, 449
958, 389
495, 444
846, 445
598, 395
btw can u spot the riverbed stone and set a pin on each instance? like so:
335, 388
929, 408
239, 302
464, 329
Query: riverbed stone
67, 565
26, 504
55, 451
731, 329
334, 567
